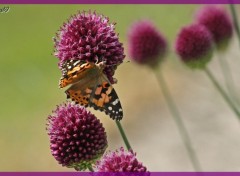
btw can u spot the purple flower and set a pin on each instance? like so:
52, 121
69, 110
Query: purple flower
120, 161
217, 21
194, 45
77, 138
89, 37
146, 44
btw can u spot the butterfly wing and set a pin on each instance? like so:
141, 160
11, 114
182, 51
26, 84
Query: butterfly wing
70, 70
98, 94
81, 91
90, 87
104, 98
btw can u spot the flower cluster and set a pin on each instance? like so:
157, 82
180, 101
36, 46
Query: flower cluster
120, 161
89, 37
217, 21
77, 138
146, 44
194, 45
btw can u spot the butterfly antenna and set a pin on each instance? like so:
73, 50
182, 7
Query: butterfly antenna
117, 64
96, 61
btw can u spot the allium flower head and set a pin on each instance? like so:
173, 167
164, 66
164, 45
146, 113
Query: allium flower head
217, 21
88, 36
194, 45
120, 161
146, 43
77, 138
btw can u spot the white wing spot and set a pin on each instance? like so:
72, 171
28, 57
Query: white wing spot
115, 102
76, 63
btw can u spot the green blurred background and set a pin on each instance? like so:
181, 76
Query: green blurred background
29, 92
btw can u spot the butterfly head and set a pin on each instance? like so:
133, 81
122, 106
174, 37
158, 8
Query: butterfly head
101, 65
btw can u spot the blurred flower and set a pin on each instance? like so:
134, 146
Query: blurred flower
120, 161
89, 37
77, 138
194, 45
217, 21
146, 44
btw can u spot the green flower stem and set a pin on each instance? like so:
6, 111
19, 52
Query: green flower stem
222, 92
178, 120
124, 137
228, 78
235, 20
90, 168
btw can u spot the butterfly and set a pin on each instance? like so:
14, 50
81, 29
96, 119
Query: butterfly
90, 87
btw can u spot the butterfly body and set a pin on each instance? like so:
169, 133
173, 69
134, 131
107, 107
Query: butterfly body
89, 86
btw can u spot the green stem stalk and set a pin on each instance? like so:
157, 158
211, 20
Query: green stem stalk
124, 137
222, 92
235, 21
228, 78
178, 120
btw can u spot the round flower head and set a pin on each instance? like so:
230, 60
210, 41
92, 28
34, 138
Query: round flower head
89, 37
120, 161
146, 44
217, 21
77, 138
194, 45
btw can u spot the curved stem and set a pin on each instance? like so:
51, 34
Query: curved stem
235, 20
228, 78
222, 92
178, 120
90, 168
124, 137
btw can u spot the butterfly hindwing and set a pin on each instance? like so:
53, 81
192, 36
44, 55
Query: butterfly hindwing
104, 98
81, 91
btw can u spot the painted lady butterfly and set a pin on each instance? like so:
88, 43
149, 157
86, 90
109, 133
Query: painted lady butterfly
90, 87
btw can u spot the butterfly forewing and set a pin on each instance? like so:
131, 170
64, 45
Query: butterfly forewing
70, 71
